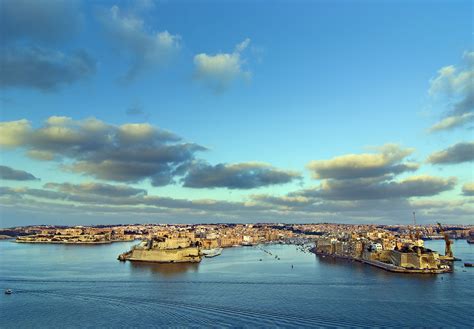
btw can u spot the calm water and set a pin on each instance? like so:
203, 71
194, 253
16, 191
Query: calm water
85, 286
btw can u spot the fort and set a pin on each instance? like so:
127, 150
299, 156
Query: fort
164, 250
383, 250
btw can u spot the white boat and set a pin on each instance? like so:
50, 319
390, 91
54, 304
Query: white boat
211, 252
8, 292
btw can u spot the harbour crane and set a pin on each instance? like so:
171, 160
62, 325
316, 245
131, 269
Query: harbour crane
447, 251
415, 233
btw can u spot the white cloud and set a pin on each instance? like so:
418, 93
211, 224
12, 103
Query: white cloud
452, 122
13, 133
468, 189
388, 160
219, 71
455, 84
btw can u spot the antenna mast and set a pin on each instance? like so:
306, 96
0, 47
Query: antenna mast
414, 219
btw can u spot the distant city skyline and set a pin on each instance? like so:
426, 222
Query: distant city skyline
205, 112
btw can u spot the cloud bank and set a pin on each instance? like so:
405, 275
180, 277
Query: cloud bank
127, 153
132, 153
372, 189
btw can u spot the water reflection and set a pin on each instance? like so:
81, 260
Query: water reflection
338, 262
165, 270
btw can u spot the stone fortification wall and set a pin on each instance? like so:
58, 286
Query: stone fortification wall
166, 256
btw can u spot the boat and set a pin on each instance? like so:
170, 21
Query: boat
209, 253
470, 239
468, 264
8, 292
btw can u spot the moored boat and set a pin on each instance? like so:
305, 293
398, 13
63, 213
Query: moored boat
208, 253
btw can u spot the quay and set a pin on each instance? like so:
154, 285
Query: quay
386, 266
399, 269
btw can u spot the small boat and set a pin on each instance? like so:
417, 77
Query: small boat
468, 264
8, 292
208, 253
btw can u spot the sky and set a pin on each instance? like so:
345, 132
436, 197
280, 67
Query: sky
236, 111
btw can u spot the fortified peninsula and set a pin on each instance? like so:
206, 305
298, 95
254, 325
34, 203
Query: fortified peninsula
384, 249
164, 250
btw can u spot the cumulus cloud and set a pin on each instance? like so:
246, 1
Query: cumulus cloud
41, 68
131, 153
388, 160
14, 133
457, 153
129, 34
371, 176
126, 153
245, 175
468, 189
219, 71
39, 21
456, 85
9, 173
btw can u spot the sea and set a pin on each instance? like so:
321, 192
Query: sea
85, 286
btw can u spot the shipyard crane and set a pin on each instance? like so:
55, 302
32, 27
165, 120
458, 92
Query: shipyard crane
447, 251
417, 234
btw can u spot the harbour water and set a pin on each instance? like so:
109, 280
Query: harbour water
85, 286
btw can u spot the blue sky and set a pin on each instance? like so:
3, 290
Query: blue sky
283, 84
